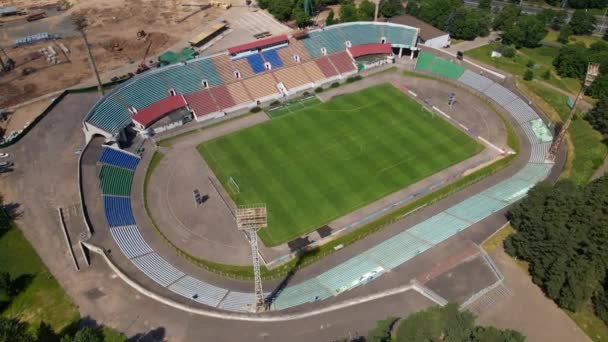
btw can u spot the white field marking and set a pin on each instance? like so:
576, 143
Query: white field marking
412, 93
442, 113
490, 144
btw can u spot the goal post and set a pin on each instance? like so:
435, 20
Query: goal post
233, 185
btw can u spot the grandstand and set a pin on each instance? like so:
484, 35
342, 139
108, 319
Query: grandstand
254, 64
117, 167
428, 62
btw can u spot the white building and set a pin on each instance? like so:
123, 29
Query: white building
428, 35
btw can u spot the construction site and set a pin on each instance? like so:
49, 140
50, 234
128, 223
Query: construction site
43, 44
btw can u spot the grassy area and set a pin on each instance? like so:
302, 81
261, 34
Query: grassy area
589, 150
41, 298
328, 160
496, 240
594, 327
553, 35
292, 106
309, 257
541, 56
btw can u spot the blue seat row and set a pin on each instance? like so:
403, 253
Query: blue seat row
118, 158
272, 57
257, 63
118, 211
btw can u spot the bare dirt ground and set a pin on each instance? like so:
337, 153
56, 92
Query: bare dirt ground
20, 117
112, 32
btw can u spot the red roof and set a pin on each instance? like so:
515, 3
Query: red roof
258, 43
370, 49
157, 110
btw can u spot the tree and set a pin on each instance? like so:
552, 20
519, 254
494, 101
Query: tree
348, 13
582, 22
552, 18
382, 331
599, 88
302, 20
366, 10
468, 23
564, 35
485, 4
506, 16
84, 335
330, 18
571, 61
12, 330
390, 8
527, 31
528, 75
561, 234
546, 75
491, 334
509, 51
587, 3
598, 118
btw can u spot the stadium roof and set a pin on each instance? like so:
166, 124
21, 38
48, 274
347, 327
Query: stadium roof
427, 31
258, 43
370, 49
152, 113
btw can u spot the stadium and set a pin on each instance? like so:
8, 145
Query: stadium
322, 161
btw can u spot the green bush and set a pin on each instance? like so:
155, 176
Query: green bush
319, 90
335, 85
509, 52
274, 103
352, 79
528, 75
256, 109
304, 94
530, 64
546, 75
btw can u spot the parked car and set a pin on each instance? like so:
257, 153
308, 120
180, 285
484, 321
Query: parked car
3, 155
6, 164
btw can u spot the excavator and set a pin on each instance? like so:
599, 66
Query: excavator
143, 66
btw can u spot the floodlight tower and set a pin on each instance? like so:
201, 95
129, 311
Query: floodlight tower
593, 69
250, 218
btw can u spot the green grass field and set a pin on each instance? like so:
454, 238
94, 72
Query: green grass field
293, 106
325, 161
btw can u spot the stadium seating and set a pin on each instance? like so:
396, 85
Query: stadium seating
118, 158
292, 77
210, 73
222, 97
201, 102
273, 58
242, 65
225, 67
508, 191
476, 208
533, 172
115, 180
342, 62
308, 291
184, 78
238, 93
198, 291
238, 301
350, 274
110, 115
148, 89
428, 62
257, 63
261, 86
395, 251
475, 81
539, 152
500, 94
438, 228
326, 67
359, 34
158, 269
400, 35
425, 61
328, 39
130, 241
313, 71
521, 111
118, 211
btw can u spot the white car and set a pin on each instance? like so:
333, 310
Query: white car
4, 155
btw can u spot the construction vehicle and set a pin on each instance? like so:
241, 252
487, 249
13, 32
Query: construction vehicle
36, 16
143, 67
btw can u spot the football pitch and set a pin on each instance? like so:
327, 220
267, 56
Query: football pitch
324, 161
